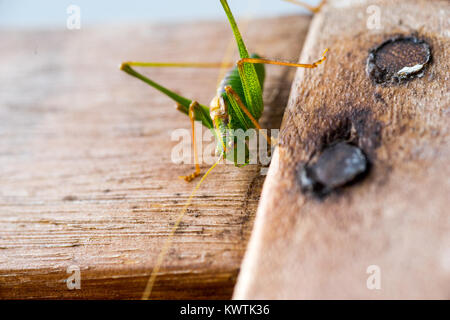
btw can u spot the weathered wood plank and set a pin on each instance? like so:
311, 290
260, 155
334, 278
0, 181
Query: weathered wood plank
397, 218
85, 171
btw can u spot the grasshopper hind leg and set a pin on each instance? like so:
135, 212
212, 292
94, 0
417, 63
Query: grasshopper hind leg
193, 109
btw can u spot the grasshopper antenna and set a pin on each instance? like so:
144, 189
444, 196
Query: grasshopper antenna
162, 254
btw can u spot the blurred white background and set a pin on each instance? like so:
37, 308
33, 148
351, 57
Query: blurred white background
52, 13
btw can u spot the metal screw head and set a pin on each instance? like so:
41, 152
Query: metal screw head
397, 59
338, 165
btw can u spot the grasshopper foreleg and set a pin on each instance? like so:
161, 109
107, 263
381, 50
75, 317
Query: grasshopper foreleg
194, 105
233, 96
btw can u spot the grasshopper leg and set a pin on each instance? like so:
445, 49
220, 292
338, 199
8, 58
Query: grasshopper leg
202, 112
193, 109
194, 105
307, 6
232, 95
241, 62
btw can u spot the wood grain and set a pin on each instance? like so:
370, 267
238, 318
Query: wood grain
85, 172
397, 218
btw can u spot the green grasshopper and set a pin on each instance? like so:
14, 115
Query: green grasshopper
238, 104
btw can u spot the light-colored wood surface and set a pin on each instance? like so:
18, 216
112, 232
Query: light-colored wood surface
85, 172
397, 218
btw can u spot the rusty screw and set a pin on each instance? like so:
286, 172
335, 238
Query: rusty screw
398, 59
338, 165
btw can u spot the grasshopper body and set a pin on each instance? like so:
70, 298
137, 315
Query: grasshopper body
238, 104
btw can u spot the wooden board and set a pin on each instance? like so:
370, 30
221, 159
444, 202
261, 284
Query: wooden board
85, 172
396, 218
